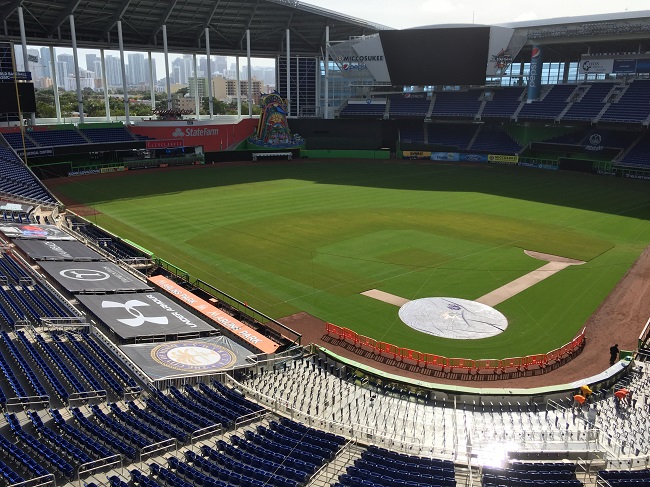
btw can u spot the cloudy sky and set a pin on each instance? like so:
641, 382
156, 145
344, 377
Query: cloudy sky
402, 14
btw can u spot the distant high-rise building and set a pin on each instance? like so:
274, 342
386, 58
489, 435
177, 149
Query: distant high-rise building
113, 71
220, 64
61, 73
182, 69
45, 61
91, 59
68, 59
137, 69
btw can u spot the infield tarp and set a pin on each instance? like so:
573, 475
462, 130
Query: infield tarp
93, 277
57, 250
187, 357
142, 315
43, 232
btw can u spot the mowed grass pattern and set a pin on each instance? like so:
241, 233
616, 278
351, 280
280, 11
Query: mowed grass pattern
311, 236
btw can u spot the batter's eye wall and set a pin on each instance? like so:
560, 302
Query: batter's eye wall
446, 56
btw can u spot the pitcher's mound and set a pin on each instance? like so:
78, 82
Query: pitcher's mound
460, 319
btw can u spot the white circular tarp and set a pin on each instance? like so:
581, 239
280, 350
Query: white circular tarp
460, 319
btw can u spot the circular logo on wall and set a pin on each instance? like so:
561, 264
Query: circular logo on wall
595, 139
193, 357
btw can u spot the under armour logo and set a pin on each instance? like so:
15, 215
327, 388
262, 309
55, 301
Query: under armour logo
85, 274
138, 318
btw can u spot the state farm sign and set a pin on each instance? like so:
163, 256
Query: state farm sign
195, 132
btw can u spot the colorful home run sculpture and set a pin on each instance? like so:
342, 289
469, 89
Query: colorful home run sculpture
272, 129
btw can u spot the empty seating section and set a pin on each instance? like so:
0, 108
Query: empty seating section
68, 374
18, 457
375, 110
110, 134
504, 103
639, 155
92, 344
405, 106
633, 106
550, 106
108, 243
15, 140
23, 365
17, 180
50, 138
452, 135
383, 468
39, 449
119, 444
15, 217
44, 367
287, 454
625, 478
57, 440
520, 474
591, 103
140, 427
412, 135
495, 139
81, 439
463, 104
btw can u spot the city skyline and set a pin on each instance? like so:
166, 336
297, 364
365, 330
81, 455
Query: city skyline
138, 72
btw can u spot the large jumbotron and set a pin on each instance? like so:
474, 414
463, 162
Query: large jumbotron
425, 263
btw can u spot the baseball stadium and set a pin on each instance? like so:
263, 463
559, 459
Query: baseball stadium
422, 258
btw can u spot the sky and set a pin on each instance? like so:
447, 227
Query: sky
402, 14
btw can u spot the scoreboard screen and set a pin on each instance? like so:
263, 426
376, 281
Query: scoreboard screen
9, 100
441, 56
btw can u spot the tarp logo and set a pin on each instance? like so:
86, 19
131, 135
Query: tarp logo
85, 274
138, 318
178, 132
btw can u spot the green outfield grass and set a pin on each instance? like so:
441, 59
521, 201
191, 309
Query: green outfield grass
312, 236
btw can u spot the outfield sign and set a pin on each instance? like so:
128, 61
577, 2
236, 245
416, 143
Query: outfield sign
503, 159
226, 321
163, 144
416, 154
445, 156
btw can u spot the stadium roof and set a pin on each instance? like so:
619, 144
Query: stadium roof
47, 23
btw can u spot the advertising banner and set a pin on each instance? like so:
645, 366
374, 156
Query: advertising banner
503, 159
93, 277
142, 314
47, 151
473, 157
57, 250
416, 154
535, 74
163, 144
596, 66
105, 170
44, 232
245, 332
445, 156
184, 357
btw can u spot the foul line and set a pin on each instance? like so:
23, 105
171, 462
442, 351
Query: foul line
555, 264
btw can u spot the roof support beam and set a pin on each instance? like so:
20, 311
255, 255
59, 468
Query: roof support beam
248, 24
165, 17
69, 10
11, 8
211, 16
304, 39
118, 16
